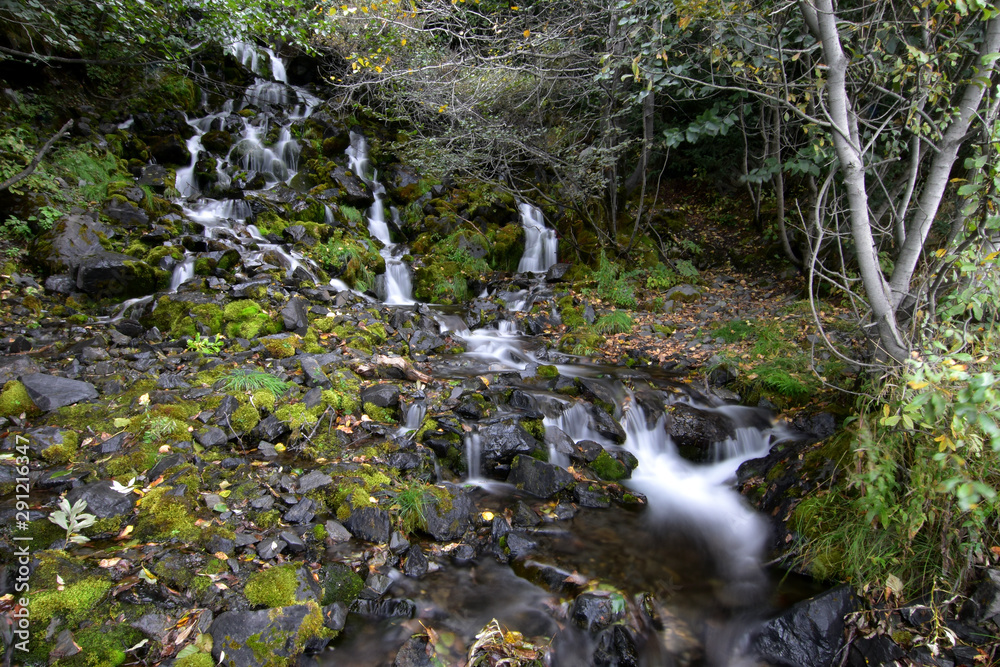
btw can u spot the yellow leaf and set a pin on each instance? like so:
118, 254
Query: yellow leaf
683, 22
917, 385
527, 33
402, 42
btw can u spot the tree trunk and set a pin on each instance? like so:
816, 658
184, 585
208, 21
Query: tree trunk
940, 169
820, 16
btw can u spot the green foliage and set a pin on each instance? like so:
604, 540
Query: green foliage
411, 502
349, 260
73, 518
205, 346
612, 285
93, 171
616, 322
661, 277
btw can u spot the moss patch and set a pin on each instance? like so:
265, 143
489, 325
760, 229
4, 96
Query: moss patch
274, 587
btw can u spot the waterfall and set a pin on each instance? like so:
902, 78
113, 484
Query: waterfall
183, 272
540, 244
398, 289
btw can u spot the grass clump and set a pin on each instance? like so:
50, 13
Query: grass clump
617, 322
243, 380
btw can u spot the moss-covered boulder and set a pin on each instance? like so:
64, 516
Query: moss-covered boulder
266, 638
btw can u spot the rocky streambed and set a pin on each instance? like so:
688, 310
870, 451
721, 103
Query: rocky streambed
277, 449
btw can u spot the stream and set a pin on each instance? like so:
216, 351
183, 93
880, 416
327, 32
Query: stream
689, 556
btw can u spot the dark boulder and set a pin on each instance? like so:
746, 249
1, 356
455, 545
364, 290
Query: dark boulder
353, 191
695, 431
809, 633
538, 478
49, 392
102, 500
501, 442
259, 638
449, 518
383, 395
596, 611
295, 315
370, 524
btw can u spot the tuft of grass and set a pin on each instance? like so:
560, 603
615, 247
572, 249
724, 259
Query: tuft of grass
411, 503
617, 322
241, 379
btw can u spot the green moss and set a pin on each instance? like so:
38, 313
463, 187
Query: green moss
14, 400
281, 348
296, 415
608, 468
268, 519
382, 415
74, 603
340, 401
246, 319
244, 418
62, 452
340, 584
547, 371
274, 587
264, 400
162, 517
319, 532
103, 646
196, 660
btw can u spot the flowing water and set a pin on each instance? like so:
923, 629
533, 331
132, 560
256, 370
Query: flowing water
694, 551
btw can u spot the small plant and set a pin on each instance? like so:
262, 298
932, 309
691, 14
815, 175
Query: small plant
493, 646
411, 504
612, 286
205, 346
73, 518
248, 380
157, 428
616, 322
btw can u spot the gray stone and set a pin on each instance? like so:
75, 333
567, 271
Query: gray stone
279, 629
369, 524
503, 441
449, 522
335, 531
50, 392
313, 479
102, 500
295, 315
313, 372
302, 512
383, 395
270, 548
538, 478
809, 633
211, 437
154, 625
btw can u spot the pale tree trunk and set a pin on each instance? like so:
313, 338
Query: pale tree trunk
940, 168
820, 17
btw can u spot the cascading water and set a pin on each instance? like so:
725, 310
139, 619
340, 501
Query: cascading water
540, 243
397, 286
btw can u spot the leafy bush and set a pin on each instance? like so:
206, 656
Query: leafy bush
612, 286
617, 322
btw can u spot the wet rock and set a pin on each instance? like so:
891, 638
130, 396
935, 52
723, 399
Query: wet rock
416, 652
270, 548
126, 213
502, 441
154, 625
211, 437
270, 428
694, 431
385, 608
217, 544
423, 342
415, 563
557, 271
335, 532
383, 395
596, 611
295, 315
50, 392
398, 543
164, 464
875, 650
302, 512
538, 478
369, 524
241, 634
817, 426
335, 616
809, 633
591, 495
984, 604
171, 149
449, 518
102, 500
524, 515
314, 479
375, 586
606, 425
353, 191
616, 648
60, 283
171, 381
154, 176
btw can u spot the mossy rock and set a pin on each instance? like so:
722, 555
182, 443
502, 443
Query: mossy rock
14, 401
